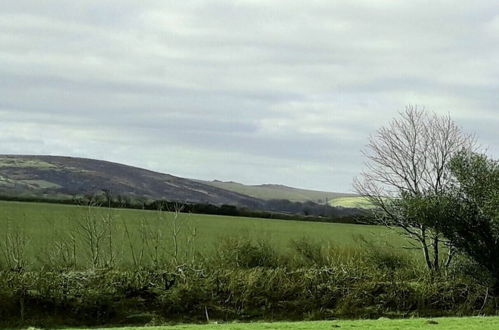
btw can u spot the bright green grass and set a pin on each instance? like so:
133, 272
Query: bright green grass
352, 202
451, 323
24, 163
45, 223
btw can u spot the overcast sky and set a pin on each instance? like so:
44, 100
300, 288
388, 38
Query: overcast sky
252, 91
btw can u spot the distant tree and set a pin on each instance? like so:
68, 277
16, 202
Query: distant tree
406, 161
473, 207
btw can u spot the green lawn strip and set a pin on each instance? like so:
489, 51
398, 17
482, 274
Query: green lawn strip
451, 323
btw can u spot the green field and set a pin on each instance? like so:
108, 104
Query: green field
46, 223
351, 202
451, 323
225, 279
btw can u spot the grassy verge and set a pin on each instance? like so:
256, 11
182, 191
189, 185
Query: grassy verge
451, 323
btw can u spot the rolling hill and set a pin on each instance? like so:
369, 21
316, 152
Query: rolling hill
276, 191
64, 177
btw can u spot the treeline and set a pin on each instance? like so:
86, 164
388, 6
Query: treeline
272, 209
244, 280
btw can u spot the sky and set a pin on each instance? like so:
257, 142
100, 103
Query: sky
259, 91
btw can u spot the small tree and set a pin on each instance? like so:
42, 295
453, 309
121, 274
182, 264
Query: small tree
409, 159
473, 226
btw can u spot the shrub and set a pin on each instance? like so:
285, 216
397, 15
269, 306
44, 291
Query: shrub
241, 252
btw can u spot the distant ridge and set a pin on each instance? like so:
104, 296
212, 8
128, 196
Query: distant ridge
57, 175
60, 176
278, 191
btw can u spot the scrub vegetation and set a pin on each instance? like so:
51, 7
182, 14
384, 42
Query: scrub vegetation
86, 266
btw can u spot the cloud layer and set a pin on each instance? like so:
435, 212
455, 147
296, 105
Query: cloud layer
254, 91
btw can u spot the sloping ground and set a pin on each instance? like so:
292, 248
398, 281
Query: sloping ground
67, 176
64, 177
274, 191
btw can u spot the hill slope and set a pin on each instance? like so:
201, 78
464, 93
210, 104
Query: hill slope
66, 176
275, 191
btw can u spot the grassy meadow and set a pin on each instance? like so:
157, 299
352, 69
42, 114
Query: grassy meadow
451, 323
42, 224
63, 265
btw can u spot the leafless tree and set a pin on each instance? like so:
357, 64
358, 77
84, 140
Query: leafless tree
14, 248
410, 157
137, 247
60, 252
96, 230
168, 239
182, 234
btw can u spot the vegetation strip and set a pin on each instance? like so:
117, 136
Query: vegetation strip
43, 224
468, 323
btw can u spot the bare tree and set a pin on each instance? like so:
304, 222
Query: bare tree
182, 234
96, 230
14, 248
410, 157
167, 239
137, 247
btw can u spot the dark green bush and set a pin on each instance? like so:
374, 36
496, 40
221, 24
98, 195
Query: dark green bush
242, 252
307, 252
245, 280
91, 298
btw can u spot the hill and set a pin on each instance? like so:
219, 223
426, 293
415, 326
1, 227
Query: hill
67, 176
56, 177
276, 191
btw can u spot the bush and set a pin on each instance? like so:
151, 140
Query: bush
241, 252
245, 280
229, 293
306, 252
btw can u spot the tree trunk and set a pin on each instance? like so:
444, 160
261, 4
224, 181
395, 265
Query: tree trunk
436, 257
426, 253
450, 255
495, 287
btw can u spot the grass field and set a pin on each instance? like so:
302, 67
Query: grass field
352, 202
451, 323
44, 223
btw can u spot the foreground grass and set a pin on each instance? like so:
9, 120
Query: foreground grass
44, 223
451, 323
